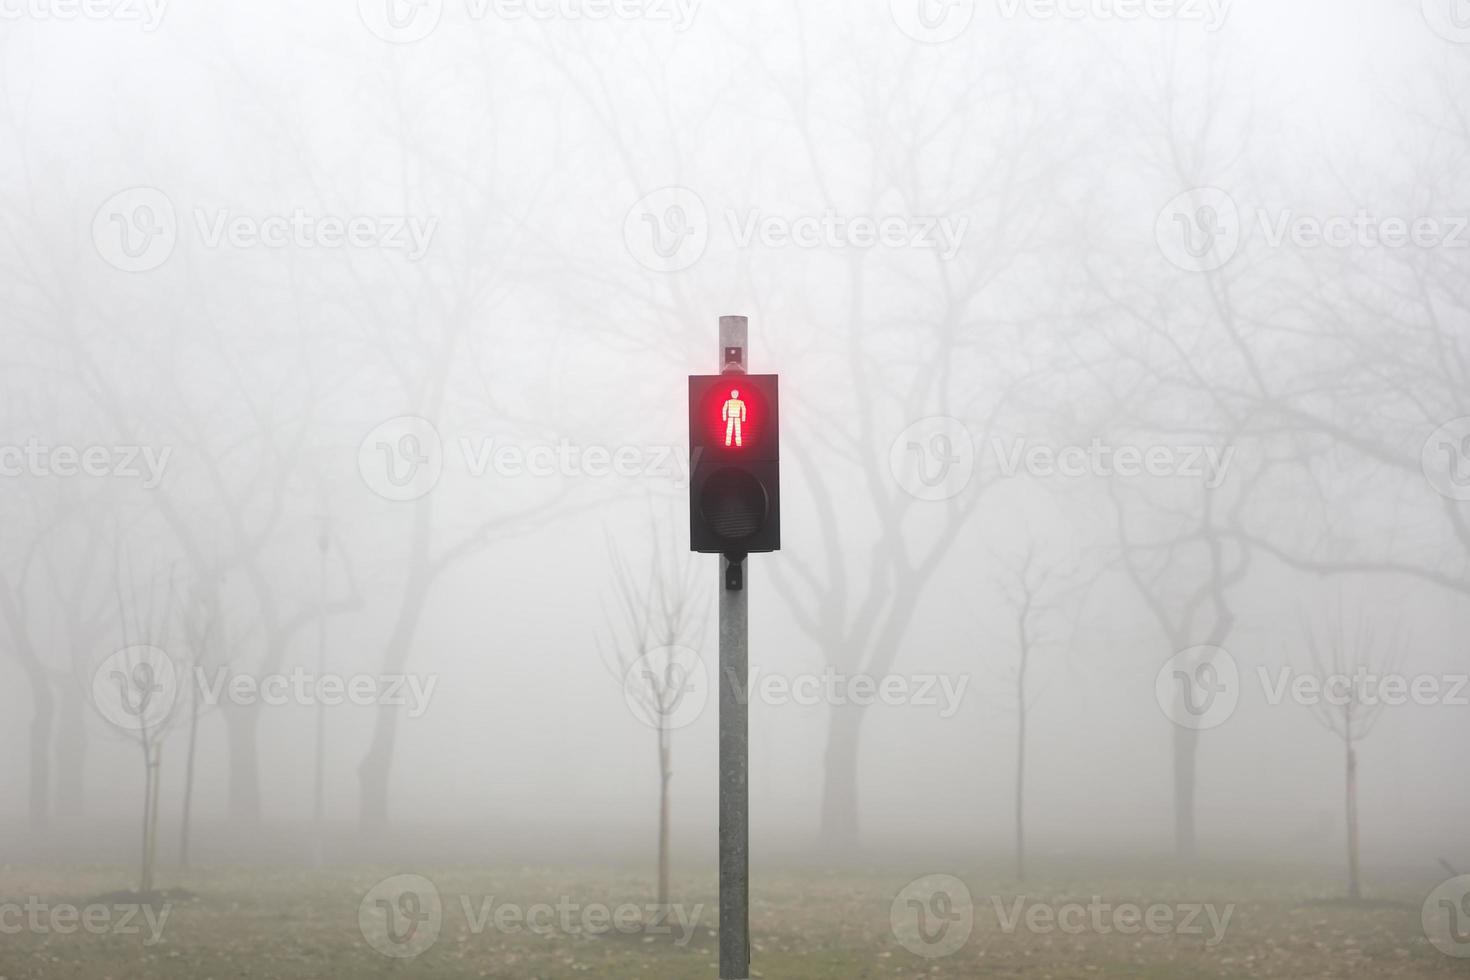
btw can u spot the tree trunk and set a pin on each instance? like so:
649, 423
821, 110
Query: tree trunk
1354, 889
374, 770
840, 788
153, 814
1186, 742
241, 723
42, 723
666, 775
189, 777
150, 776
377, 763
318, 787
318, 781
44, 701
1021, 783
71, 754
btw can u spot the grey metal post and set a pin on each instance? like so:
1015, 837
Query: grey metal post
734, 735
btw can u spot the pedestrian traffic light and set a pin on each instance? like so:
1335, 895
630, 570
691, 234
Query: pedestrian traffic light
734, 463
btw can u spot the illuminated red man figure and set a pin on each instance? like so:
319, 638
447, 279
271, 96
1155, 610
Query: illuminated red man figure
734, 416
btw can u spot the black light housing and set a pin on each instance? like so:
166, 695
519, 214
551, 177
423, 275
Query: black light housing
734, 463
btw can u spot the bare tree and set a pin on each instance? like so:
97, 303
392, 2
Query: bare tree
319, 776
912, 336
1163, 347
1029, 591
1350, 660
45, 525
143, 686
209, 641
657, 629
78, 575
14, 611
941, 350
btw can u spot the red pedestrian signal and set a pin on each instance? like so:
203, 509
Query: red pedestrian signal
734, 456
733, 414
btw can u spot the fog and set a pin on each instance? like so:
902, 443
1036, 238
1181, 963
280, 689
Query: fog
349, 342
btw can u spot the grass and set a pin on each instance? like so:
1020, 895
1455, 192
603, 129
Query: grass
231, 922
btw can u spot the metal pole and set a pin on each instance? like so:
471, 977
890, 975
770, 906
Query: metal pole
734, 736
318, 809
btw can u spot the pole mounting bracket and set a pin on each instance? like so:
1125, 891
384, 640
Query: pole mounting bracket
735, 571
